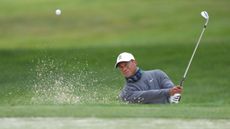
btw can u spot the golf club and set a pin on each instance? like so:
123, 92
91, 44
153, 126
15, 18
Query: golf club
176, 97
205, 15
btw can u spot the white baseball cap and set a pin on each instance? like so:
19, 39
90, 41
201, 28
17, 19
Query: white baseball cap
124, 57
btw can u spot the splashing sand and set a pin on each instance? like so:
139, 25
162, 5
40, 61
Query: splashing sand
53, 85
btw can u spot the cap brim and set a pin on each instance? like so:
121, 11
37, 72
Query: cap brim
115, 66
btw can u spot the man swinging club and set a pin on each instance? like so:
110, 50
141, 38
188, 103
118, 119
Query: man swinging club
147, 87
152, 86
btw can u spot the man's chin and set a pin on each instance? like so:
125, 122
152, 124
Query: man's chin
127, 75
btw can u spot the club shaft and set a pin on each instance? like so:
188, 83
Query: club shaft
190, 61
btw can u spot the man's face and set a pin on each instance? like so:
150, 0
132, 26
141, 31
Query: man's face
128, 68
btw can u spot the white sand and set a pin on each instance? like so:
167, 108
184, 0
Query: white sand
111, 123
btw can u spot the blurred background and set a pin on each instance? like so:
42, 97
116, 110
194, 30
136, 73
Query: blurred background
69, 58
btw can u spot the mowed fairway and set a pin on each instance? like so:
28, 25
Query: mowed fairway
60, 69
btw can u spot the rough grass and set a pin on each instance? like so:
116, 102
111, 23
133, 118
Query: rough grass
81, 73
182, 111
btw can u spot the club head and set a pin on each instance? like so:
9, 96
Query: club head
204, 14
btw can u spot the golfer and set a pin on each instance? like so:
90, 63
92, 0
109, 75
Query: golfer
147, 87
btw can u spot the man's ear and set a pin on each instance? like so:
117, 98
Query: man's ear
135, 62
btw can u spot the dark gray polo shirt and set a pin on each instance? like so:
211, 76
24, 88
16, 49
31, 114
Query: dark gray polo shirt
153, 87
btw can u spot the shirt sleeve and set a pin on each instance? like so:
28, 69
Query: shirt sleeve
149, 96
163, 79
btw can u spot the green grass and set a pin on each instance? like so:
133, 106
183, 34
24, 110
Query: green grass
110, 23
206, 84
119, 111
63, 65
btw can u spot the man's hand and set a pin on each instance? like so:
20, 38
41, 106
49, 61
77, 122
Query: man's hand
175, 98
175, 94
175, 90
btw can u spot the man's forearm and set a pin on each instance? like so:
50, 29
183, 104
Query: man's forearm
150, 96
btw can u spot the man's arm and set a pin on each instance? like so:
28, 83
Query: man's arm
149, 96
163, 79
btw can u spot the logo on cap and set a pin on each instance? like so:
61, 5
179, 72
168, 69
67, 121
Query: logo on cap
119, 57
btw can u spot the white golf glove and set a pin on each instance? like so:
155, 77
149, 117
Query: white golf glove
175, 98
